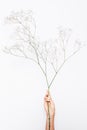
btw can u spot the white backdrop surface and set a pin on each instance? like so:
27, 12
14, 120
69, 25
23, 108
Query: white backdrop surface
22, 85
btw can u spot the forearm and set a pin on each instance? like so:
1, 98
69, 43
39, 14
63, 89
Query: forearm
51, 123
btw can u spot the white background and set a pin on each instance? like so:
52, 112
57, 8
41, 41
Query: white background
22, 85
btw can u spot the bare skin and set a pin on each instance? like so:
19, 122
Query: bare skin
48, 100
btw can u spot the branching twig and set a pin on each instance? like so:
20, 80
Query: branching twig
49, 53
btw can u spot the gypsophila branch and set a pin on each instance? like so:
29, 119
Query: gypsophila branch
52, 53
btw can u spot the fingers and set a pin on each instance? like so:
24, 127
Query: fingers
47, 97
48, 93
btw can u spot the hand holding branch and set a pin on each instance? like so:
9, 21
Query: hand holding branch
49, 113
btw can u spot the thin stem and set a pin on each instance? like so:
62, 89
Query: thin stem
56, 74
62, 66
53, 67
46, 74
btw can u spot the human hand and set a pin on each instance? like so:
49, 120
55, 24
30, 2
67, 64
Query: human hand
48, 101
